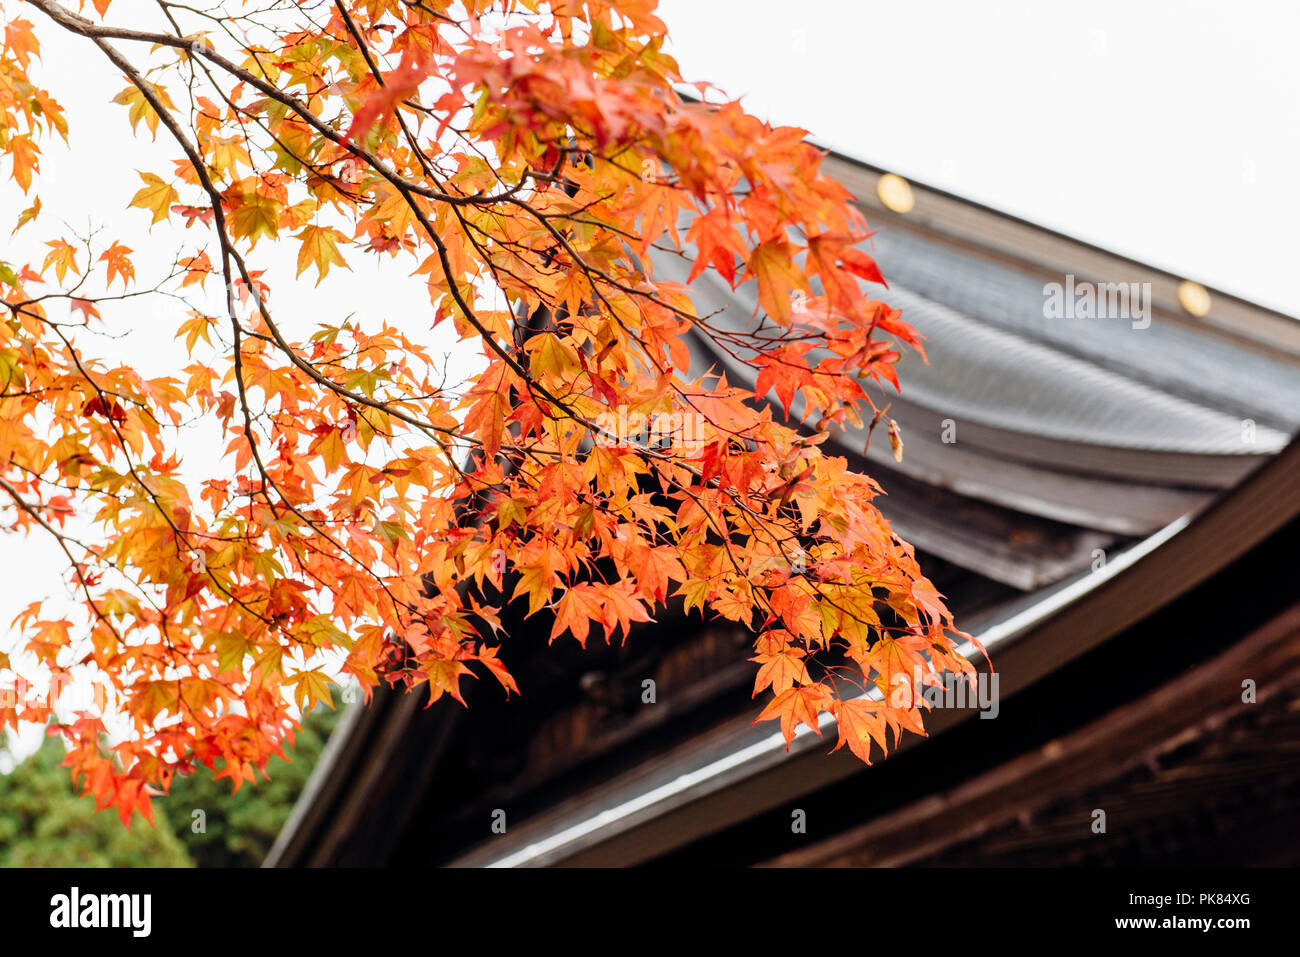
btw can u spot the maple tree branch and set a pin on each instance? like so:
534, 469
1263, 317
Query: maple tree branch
216, 200
230, 253
197, 47
62, 539
98, 34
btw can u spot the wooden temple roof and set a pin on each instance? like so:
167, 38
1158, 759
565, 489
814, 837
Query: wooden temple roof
1164, 449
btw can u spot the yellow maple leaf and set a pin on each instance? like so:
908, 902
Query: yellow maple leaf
155, 196
320, 248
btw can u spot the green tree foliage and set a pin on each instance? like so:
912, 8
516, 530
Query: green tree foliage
43, 823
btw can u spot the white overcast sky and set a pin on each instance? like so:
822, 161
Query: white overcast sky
1168, 132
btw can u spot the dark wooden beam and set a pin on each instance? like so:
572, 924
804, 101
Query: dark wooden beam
1134, 735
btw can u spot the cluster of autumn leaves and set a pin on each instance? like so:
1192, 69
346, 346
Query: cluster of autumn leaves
528, 163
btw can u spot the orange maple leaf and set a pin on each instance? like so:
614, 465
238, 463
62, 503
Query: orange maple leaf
796, 706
